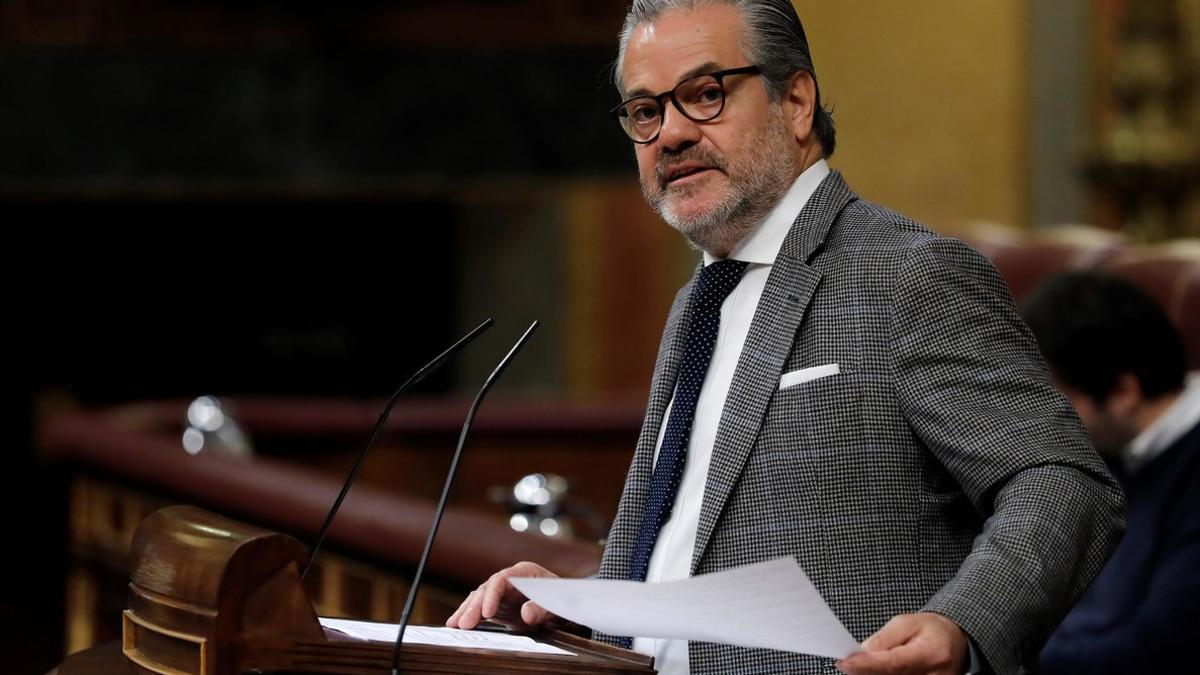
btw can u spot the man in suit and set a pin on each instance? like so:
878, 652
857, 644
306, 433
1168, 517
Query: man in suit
836, 384
1119, 360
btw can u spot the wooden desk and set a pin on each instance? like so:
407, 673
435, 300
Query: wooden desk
127, 462
212, 596
105, 659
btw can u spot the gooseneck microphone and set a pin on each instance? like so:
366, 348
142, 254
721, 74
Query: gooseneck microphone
362, 456
441, 507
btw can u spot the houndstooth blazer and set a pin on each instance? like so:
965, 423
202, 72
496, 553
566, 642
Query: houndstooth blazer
938, 471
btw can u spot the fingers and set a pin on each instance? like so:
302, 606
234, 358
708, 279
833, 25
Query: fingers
911, 659
875, 658
494, 591
468, 615
533, 614
910, 643
498, 599
893, 634
871, 663
475, 608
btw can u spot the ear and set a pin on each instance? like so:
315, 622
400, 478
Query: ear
1126, 396
799, 105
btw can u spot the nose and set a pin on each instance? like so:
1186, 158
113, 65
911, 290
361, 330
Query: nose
677, 132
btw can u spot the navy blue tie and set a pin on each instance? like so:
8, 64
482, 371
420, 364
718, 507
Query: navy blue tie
715, 283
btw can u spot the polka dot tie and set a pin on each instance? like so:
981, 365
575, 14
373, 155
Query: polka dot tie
715, 283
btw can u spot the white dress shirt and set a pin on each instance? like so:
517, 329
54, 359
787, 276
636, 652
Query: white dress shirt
672, 556
1178, 419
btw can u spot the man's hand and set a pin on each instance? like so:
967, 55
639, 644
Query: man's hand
498, 599
924, 643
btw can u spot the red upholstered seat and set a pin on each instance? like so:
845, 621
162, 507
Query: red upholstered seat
1170, 273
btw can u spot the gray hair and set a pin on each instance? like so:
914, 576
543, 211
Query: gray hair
774, 41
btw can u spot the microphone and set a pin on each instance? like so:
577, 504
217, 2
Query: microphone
441, 507
362, 456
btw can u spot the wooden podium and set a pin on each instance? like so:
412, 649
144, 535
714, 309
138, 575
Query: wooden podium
212, 596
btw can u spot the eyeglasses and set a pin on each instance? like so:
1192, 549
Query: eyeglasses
699, 98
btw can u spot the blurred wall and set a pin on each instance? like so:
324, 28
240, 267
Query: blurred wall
930, 102
202, 104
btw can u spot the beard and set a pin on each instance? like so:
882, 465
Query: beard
756, 183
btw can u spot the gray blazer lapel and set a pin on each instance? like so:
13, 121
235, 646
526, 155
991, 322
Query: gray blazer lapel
789, 290
623, 533
662, 387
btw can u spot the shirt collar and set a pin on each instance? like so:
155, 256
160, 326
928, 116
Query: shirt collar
1169, 427
762, 245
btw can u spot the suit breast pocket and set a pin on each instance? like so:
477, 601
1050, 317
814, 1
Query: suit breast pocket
816, 415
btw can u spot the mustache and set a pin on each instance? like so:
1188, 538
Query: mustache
693, 153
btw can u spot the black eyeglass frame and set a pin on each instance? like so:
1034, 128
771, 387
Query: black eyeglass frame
619, 110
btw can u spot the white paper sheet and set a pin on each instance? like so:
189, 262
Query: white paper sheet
439, 635
770, 604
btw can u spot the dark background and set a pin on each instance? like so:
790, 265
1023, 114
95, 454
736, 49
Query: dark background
253, 198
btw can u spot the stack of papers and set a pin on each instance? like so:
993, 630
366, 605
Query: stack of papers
771, 604
436, 635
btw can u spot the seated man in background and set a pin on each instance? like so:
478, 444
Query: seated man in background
1116, 356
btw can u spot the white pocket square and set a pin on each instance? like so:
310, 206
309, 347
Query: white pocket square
808, 375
